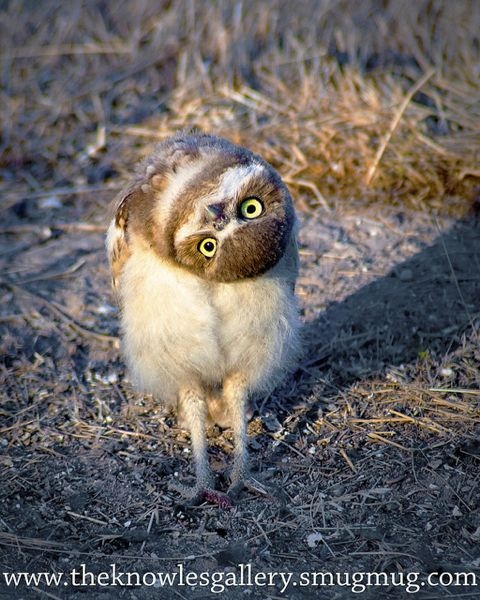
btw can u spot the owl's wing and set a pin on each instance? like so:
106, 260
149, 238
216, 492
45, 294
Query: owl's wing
118, 243
132, 208
132, 213
287, 267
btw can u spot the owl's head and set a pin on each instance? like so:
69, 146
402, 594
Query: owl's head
209, 206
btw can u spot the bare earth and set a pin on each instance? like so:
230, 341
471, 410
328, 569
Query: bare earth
369, 450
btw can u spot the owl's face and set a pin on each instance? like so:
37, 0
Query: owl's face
211, 207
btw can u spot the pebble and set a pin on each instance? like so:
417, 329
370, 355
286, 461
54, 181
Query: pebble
405, 275
50, 202
446, 372
313, 539
105, 309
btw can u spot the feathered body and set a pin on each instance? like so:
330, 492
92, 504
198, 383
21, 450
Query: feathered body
203, 255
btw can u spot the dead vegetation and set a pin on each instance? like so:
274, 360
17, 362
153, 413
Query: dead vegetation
371, 113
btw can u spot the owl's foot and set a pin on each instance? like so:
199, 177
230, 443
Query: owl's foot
219, 498
199, 494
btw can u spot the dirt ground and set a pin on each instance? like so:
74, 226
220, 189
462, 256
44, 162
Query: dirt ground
370, 448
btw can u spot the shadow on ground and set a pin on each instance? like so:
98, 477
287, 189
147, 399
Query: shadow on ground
424, 305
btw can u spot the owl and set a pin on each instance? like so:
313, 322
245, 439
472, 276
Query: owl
203, 256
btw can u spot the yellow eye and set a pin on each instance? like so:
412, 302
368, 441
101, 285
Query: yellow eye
251, 208
208, 247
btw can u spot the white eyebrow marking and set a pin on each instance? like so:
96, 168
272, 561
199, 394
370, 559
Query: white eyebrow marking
235, 178
176, 183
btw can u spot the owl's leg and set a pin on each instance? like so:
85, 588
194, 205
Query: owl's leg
235, 395
193, 411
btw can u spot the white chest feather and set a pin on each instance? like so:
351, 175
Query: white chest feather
178, 327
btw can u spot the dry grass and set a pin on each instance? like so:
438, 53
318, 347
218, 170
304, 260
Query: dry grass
350, 100
371, 112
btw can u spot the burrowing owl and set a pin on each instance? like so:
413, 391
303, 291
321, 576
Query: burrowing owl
203, 255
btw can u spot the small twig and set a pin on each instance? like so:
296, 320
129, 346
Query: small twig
153, 517
57, 274
86, 518
14, 541
378, 420
263, 533
346, 458
66, 191
11, 318
293, 449
311, 186
112, 430
394, 124
420, 422
64, 50
40, 229
104, 337
380, 438
19, 425
384, 553
45, 593
455, 391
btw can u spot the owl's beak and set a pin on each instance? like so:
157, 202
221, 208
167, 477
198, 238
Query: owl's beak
214, 211
216, 215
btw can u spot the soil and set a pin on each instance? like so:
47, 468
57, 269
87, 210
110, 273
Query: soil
369, 450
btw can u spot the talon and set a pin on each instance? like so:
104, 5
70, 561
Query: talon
218, 498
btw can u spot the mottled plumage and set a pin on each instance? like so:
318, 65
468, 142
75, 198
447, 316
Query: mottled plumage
203, 257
